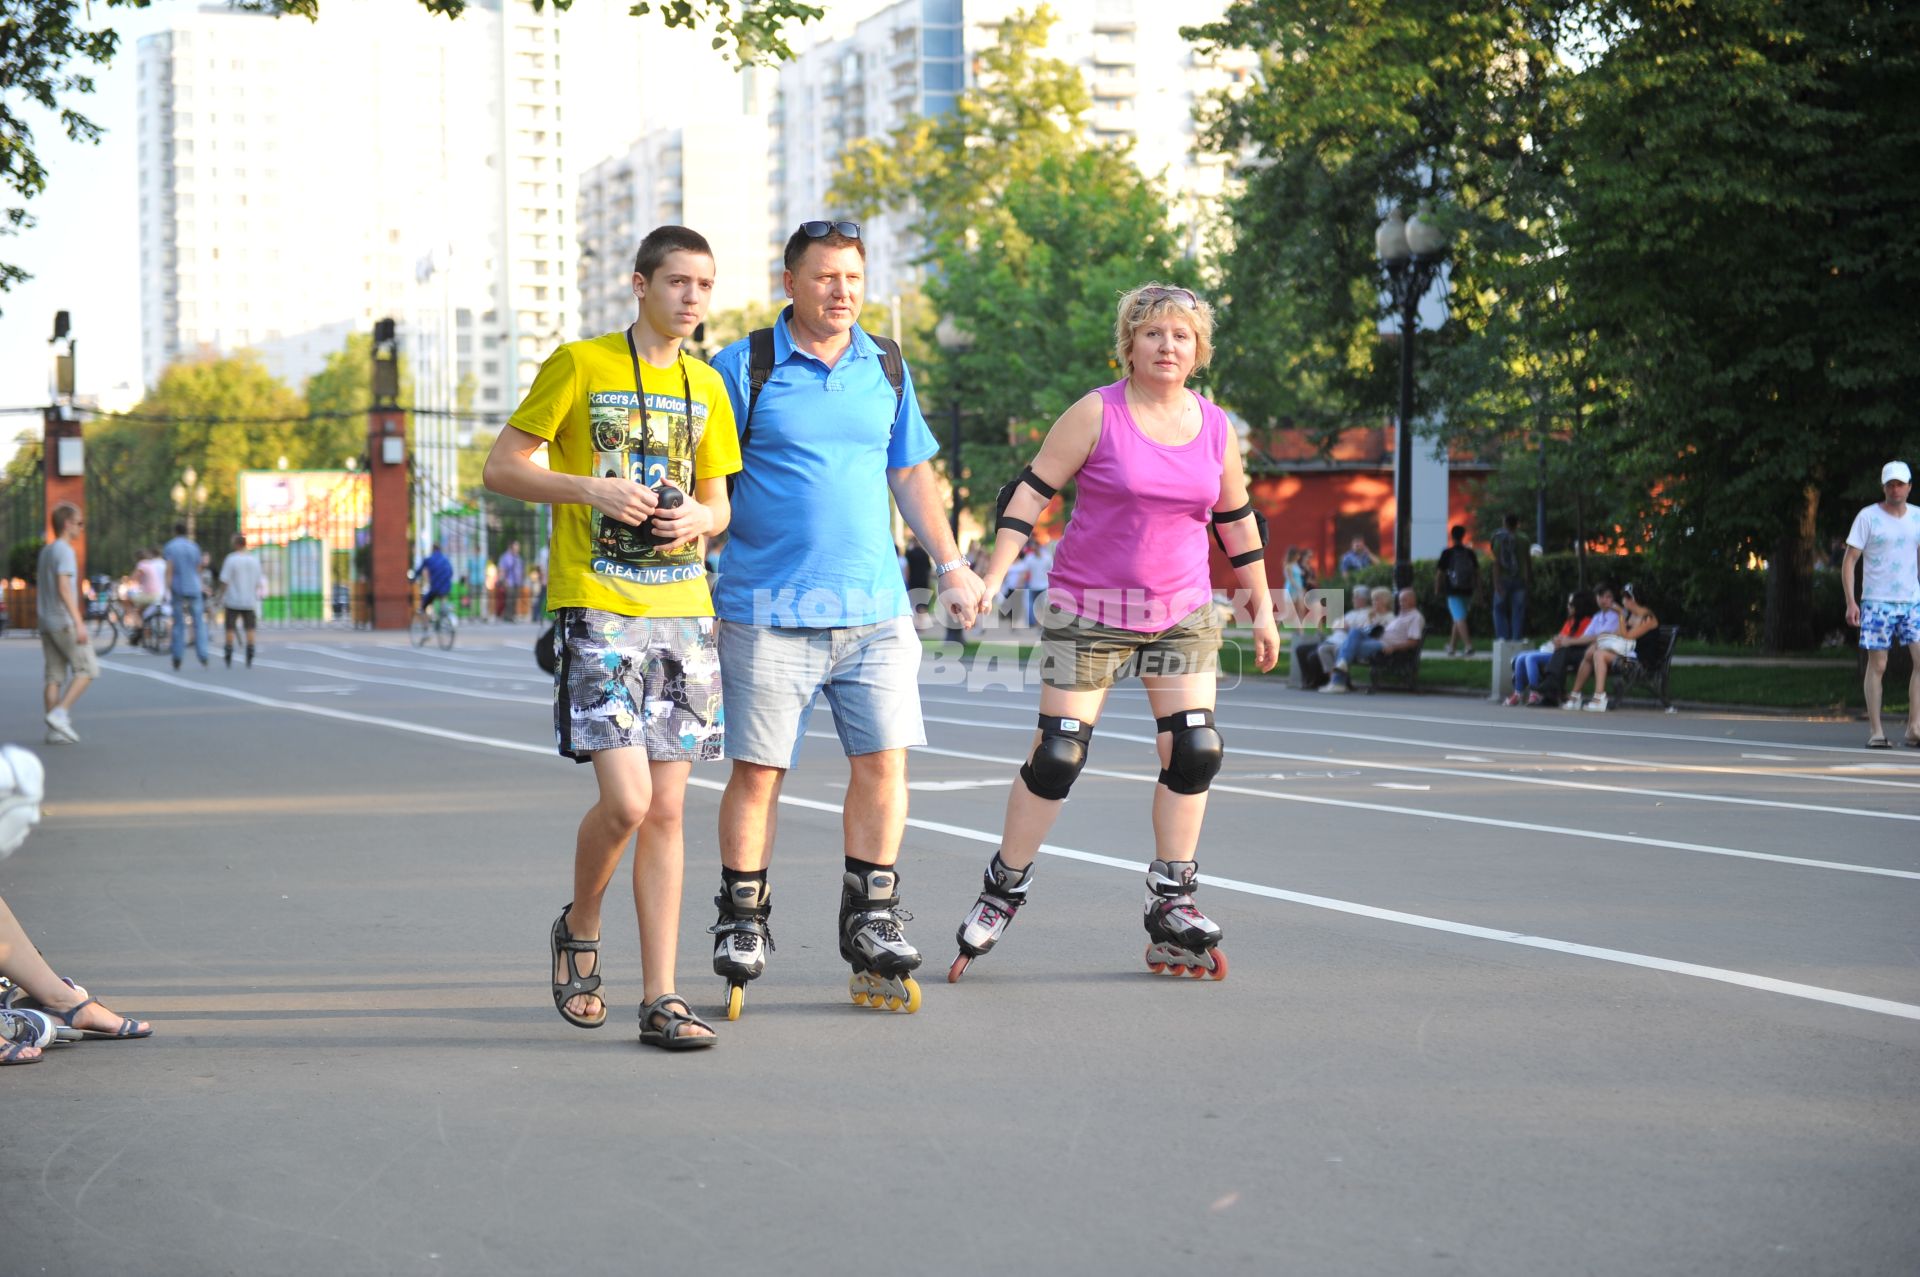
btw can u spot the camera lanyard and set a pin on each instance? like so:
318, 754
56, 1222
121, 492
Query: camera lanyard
640, 392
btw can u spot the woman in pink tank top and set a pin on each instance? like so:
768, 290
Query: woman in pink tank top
1130, 594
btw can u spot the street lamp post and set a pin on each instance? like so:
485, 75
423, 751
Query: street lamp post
955, 341
188, 496
1411, 251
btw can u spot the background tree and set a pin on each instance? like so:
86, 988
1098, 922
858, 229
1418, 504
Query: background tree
1032, 234
337, 400
47, 48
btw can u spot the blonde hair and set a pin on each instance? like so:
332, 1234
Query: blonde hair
1138, 308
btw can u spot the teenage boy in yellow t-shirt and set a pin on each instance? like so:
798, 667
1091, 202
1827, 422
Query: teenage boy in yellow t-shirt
640, 439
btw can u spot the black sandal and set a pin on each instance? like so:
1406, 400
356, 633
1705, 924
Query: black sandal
667, 1035
562, 942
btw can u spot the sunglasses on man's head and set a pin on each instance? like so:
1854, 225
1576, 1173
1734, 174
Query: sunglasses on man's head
820, 230
1182, 295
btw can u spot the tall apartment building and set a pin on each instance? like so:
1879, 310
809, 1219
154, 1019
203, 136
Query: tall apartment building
710, 175
300, 180
915, 56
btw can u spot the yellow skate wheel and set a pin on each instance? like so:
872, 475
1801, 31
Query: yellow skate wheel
736, 998
858, 988
913, 995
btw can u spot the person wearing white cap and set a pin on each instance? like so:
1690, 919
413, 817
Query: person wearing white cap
1887, 535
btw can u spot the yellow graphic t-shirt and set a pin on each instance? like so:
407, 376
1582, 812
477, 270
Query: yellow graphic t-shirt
584, 404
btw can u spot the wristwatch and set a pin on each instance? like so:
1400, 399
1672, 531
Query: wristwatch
951, 565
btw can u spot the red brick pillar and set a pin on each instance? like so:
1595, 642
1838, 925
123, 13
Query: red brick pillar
392, 554
63, 451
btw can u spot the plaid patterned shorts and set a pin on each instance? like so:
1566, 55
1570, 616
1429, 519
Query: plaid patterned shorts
648, 681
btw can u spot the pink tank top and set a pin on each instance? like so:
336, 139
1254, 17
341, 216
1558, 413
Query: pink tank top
1134, 555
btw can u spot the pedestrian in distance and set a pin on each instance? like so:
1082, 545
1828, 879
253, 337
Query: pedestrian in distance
437, 568
513, 575
640, 442
37, 1007
1886, 537
1358, 556
64, 641
1636, 621
1457, 575
1130, 595
1512, 580
183, 556
811, 601
242, 583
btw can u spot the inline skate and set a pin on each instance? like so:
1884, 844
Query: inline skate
872, 943
1183, 941
1002, 892
742, 939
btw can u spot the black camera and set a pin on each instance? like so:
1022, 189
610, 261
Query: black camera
671, 498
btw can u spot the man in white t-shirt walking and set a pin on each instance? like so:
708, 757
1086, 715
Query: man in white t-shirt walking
240, 579
1887, 536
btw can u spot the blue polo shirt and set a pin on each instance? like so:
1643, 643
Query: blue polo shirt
811, 542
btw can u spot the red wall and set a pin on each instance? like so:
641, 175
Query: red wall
1301, 508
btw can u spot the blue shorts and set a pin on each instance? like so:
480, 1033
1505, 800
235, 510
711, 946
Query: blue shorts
1457, 605
1884, 624
775, 674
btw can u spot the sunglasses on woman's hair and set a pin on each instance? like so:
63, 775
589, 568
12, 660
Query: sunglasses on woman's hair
820, 230
1182, 295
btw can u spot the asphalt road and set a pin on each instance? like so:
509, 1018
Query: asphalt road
1511, 992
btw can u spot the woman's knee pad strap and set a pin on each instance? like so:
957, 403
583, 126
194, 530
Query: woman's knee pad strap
1058, 758
1197, 754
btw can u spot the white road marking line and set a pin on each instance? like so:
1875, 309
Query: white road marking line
1466, 758
1771, 758
1744, 979
946, 786
471, 693
434, 665
330, 689
1495, 822
1552, 782
1392, 784
1640, 763
1638, 738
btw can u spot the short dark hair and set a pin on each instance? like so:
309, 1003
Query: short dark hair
662, 240
799, 242
63, 514
1513, 521
180, 528
239, 540
1459, 531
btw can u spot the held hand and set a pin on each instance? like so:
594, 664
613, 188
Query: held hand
688, 522
1266, 645
622, 499
1853, 614
963, 596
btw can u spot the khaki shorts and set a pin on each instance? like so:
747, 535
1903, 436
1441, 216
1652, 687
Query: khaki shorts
66, 654
1077, 655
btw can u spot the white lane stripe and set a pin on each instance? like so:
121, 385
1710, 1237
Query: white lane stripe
472, 693
1640, 738
1761, 773
1635, 840
1511, 778
431, 664
1767, 984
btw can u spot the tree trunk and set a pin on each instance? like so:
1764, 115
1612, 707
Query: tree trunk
1790, 623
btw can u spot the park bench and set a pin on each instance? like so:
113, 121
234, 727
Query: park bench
1648, 669
1394, 670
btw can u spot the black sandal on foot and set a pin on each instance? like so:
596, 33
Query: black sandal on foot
667, 1034
127, 1028
576, 985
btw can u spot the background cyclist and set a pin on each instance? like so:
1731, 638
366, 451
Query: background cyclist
439, 573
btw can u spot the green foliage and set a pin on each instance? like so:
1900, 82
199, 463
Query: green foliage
338, 397
47, 46
23, 560
1032, 236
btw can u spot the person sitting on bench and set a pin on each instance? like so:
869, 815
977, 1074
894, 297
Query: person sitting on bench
1366, 645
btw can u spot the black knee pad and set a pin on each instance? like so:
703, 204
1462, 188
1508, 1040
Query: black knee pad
1058, 758
1197, 751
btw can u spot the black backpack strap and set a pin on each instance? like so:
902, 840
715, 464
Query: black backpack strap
894, 364
759, 369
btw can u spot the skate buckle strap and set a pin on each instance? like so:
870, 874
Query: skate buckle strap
745, 926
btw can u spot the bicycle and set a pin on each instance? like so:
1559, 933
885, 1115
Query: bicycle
443, 625
103, 616
156, 630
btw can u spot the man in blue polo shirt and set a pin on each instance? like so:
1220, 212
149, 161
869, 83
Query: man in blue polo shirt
810, 600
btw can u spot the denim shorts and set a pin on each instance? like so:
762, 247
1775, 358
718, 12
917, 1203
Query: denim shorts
775, 674
649, 682
1884, 624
